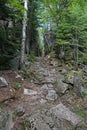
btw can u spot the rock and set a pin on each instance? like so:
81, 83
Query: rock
77, 80
43, 101
70, 79
49, 80
38, 121
78, 84
20, 111
62, 112
84, 68
44, 89
27, 63
3, 82
53, 71
57, 118
6, 93
5, 120
15, 63
50, 86
29, 92
19, 78
64, 71
51, 95
81, 91
54, 63
61, 87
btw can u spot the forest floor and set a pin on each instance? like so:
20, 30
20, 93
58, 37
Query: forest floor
35, 88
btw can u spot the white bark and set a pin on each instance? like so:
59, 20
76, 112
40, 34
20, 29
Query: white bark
24, 31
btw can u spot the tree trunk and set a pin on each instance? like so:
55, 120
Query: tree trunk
24, 33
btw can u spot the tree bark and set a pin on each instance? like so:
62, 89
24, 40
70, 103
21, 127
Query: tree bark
24, 33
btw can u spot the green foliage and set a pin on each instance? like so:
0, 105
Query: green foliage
32, 57
9, 36
80, 112
17, 86
25, 72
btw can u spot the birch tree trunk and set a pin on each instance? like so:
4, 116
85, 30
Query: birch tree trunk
24, 33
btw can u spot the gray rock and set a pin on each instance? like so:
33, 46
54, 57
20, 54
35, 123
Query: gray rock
54, 63
81, 91
3, 82
70, 79
29, 92
15, 63
57, 118
62, 112
61, 87
27, 63
19, 78
20, 111
49, 80
77, 80
39, 121
78, 85
50, 86
43, 101
44, 87
5, 120
64, 71
51, 95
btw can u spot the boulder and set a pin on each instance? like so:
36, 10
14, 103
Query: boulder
6, 93
78, 85
57, 118
3, 82
62, 112
83, 90
5, 120
61, 87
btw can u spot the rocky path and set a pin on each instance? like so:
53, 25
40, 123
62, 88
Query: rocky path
43, 101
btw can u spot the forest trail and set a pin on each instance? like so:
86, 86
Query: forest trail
43, 87
41, 78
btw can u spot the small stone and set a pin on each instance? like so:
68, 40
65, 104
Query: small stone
19, 78
42, 101
70, 79
44, 87
29, 92
51, 95
3, 82
20, 111
50, 86
64, 71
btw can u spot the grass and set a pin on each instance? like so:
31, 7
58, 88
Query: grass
80, 112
